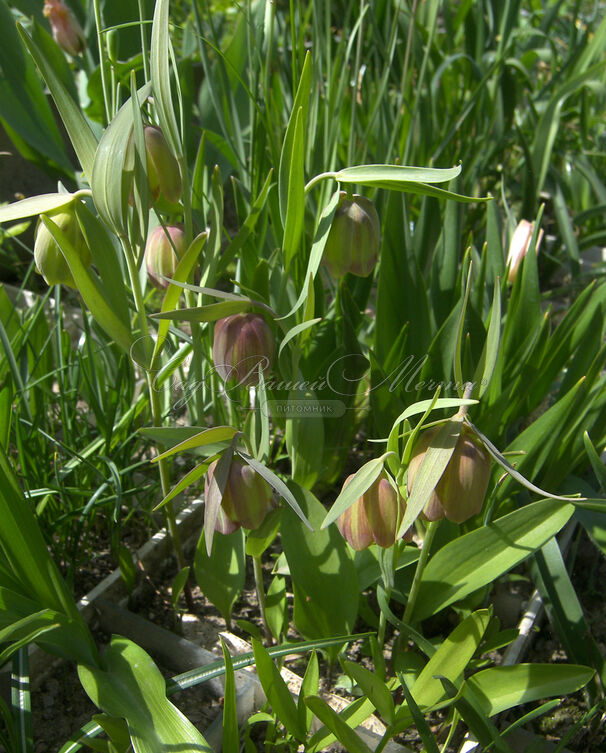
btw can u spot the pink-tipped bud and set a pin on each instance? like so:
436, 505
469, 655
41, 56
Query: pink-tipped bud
354, 238
242, 343
374, 517
461, 490
518, 248
162, 167
66, 30
50, 262
246, 500
160, 257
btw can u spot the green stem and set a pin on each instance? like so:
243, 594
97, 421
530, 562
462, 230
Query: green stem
318, 178
143, 40
168, 510
196, 331
422, 561
258, 569
387, 561
102, 60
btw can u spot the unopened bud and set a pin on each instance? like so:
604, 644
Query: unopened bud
162, 167
50, 262
246, 500
374, 517
354, 238
160, 257
242, 343
518, 248
460, 492
66, 30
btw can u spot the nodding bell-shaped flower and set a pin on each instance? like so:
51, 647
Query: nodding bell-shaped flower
66, 30
162, 167
160, 257
460, 492
246, 500
518, 248
50, 262
374, 517
354, 238
242, 343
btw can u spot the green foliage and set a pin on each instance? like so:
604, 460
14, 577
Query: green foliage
456, 121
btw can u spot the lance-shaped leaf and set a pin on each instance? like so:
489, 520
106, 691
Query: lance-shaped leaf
481, 556
76, 125
110, 181
35, 205
276, 483
433, 465
362, 480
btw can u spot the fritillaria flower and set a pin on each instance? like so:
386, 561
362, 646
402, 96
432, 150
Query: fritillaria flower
67, 32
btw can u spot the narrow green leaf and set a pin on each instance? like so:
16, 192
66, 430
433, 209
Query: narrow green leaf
299, 110
76, 125
317, 249
277, 692
230, 741
295, 208
337, 725
190, 478
363, 479
596, 461
504, 463
396, 174
481, 556
35, 205
110, 181
160, 76
205, 437
309, 686
374, 689
277, 484
212, 312
490, 353
419, 720
432, 467
451, 659
565, 611
502, 688
296, 330
179, 583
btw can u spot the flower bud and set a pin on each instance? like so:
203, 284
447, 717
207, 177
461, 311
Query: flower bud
160, 258
246, 500
66, 30
460, 492
518, 248
50, 262
373, 517
353, 241
242, 342
162, 167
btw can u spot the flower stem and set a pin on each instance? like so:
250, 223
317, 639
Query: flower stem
422, 561
258, 570
168, 510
